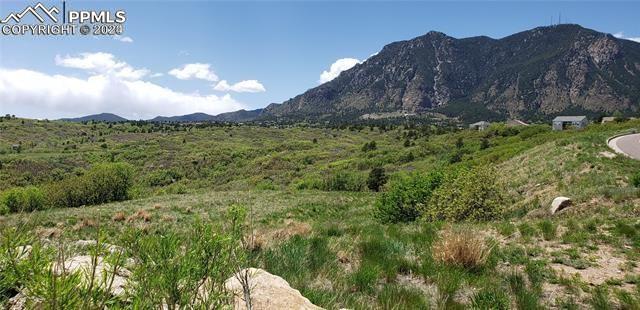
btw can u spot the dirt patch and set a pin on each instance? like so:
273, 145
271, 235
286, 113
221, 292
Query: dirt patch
606, 266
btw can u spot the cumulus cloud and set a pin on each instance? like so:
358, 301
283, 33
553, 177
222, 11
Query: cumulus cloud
124, 39
35, 94
620, 35
101, 63
247, 86
337, 67
194, 71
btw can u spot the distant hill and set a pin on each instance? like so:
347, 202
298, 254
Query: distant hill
195, 117
239, 116
533, 74
102, 117
236, 116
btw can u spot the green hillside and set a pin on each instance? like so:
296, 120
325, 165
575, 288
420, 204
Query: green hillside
302, 196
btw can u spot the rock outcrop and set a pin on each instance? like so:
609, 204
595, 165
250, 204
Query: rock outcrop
559, 203
267, 291
531, 74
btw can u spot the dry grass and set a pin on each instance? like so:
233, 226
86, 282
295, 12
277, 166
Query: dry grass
140, 215
119, 217
463, 248
85, 223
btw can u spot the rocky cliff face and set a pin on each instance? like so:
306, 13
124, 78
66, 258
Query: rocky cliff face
532, 74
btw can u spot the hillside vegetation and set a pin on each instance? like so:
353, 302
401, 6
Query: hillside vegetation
364, 217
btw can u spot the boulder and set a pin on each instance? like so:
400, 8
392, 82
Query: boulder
559, 203
267, 292
83, 265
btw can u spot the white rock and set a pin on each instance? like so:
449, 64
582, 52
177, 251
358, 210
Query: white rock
559, 203
267, 292
83, 264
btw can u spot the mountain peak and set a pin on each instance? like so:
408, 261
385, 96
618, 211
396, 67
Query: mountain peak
532, 74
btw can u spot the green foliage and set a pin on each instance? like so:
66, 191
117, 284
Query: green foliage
343, 181
22, 199
171, 268
525, 298
600, 298
377, 178
635, 179
162, 177
369, 146
405, 196
366, 277
102, 183
469, 194
398, 297
490, 299
548, 229
298, 258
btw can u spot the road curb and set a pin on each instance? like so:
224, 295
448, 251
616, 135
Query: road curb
614, 147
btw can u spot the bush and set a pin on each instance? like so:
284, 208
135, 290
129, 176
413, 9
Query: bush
101, 184
461, 248
376, 179
22, 199
466, 195
635, 180
402, 201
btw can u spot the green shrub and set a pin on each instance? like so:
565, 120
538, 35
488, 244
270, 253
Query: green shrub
466, 195
22, 199
376, 179
101, 184
167, 273
635, 180
402, 201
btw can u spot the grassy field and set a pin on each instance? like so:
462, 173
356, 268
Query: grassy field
311, 216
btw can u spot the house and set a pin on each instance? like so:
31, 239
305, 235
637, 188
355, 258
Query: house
565, 122
482, 125
516, 123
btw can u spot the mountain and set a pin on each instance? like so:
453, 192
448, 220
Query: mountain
533, 74
195, 117
102, 117
236, 116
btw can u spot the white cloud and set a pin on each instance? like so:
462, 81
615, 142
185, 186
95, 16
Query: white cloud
35, 94
620, 35
155, 75
247, 86
124, 39
101, 63
337, 67
194, 71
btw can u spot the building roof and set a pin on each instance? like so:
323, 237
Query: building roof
569, 118
481, 123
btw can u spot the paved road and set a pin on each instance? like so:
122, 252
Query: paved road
628, 145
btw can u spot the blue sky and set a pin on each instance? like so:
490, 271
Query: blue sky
283, 46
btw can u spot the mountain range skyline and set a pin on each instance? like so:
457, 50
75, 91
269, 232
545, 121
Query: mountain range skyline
266, 53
